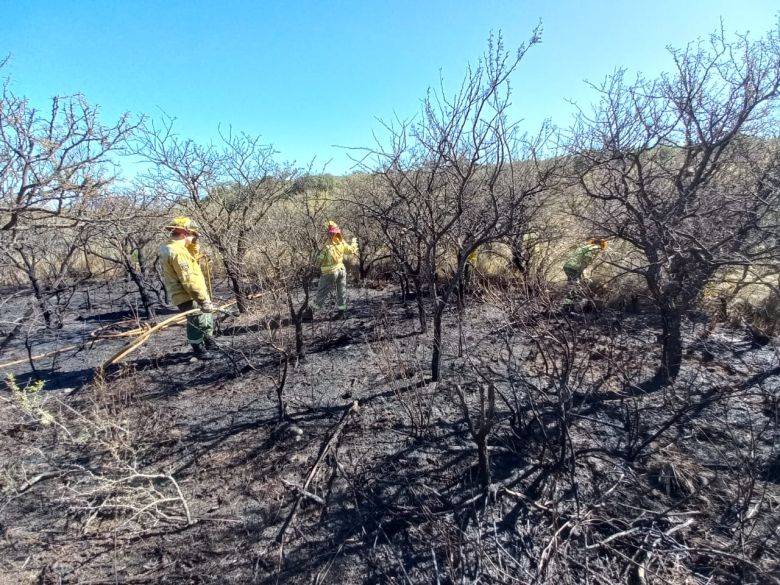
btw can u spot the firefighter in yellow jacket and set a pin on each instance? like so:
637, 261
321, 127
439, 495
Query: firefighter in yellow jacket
186, 285
333, 274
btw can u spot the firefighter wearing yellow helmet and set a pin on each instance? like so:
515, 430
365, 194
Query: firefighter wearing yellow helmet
333, 274
186, 285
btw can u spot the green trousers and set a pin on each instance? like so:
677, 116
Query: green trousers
572, 274
335, 280
199, 325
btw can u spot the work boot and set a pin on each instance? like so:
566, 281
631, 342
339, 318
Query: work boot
201, 352
210, 344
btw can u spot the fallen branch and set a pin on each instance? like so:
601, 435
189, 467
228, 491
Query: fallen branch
38, 356
37, 479
612, 537
146, 333
143, 338
524, 498
104, 333
324, 449
302, 492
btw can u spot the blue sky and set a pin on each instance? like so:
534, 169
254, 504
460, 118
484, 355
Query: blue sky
310, 75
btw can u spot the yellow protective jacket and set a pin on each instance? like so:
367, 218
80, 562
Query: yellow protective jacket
181, 272
331, 257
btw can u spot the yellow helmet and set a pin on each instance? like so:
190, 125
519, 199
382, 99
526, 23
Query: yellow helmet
333, 228
183, 223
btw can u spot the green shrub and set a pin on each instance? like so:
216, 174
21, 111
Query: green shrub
29, 399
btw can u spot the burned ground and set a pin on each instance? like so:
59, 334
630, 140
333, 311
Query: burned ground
166, 470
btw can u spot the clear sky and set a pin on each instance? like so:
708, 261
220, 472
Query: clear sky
309, 75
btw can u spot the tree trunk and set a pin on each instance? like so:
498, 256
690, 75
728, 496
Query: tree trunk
238, 291
519, 257
436, 356
281, 403
299, 339
146, 301
234, 273
43, 303
420, 305
671, 351
484, 460
403, 282
297, 318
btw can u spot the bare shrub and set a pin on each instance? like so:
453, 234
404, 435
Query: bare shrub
404, 372
99, 477
53, 165
452, 182
684, 169
227, 188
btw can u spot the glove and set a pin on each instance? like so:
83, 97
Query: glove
207, 307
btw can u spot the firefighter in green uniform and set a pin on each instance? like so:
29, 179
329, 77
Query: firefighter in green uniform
583, 257
575, 266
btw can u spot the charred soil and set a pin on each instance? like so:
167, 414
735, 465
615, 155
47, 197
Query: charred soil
539, 457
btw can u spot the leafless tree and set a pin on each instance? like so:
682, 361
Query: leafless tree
296, 227
684, 169
480, 426
459, 178
53, 165
227, 188
353, 191
51, 161
130, 241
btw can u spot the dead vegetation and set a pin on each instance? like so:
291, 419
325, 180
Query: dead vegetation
537, 460
462, 424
